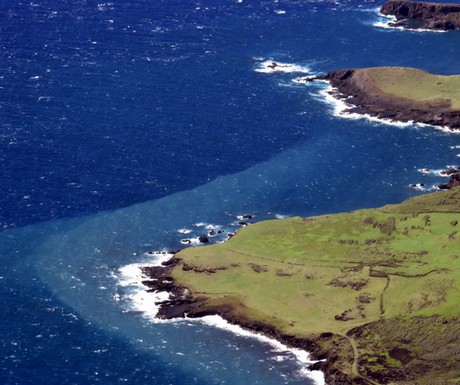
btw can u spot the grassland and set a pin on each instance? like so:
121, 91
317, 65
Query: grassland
383, 284
418, 85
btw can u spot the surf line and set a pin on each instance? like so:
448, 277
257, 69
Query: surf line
135, 296
340, 108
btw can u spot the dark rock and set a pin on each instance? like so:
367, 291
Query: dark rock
454, 181
183, 304
356, 86
203, 239
412, 14
450, 171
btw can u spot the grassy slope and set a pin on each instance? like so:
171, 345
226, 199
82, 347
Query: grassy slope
417, 84
332, 273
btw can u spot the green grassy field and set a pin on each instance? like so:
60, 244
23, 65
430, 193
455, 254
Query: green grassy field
336, 273
418, 85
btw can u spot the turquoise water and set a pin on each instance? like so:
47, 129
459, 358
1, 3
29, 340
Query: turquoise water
148, 132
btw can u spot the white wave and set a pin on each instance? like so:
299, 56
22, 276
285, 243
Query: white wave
200, 224
281, 216
423, 187
392, 19
244, 217
212, 227
341, 109
239, 224
271, 66
302, 356
437, 172
454, 147
428, 171
184, 231
280, 12
192, 241
425, 171
148, 304
131, 277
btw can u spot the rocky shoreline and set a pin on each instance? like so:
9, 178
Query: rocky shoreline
425, 15
382, 350
357, 89
454, 178
183, 304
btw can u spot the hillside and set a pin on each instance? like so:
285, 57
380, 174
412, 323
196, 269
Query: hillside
375, 291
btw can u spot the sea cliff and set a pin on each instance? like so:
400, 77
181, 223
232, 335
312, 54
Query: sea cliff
371, 292
399, 94
425, 15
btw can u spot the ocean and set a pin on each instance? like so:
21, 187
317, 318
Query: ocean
124, 122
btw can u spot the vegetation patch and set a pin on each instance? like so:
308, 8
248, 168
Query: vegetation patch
415, 84
382, 284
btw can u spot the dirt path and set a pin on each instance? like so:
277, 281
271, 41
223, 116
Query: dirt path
354, 366
382, 307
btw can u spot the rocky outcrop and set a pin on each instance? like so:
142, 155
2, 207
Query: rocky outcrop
358, 89
411, 14
183, 304
454, 179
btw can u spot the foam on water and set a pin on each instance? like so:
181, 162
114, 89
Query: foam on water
186, 86
191, 241
340, 108
148, 303
271, 66
437, 172
130, 278
184, 231
302, 356
385, 21
423, 187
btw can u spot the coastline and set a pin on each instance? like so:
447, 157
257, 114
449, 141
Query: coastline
425, 15
357, 96
317, 364
160, 300
343, 354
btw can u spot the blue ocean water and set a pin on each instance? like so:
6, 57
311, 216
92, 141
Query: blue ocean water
123, 122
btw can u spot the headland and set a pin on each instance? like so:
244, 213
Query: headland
399, 94
373, 292
425, 15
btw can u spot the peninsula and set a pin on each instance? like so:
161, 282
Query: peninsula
373, 292
426, 15
399, 94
